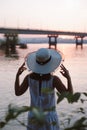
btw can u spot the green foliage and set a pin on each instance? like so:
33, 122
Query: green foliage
12, 114
78, 125
81, 122
39, 116
14, 111
47, 90
71, 98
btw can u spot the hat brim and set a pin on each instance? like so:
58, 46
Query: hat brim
54, 63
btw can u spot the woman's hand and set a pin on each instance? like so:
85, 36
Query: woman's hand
21, 69
64, 71
21, 88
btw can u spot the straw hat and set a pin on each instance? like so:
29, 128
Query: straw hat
43, 61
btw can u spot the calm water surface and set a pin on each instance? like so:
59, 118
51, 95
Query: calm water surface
76, 63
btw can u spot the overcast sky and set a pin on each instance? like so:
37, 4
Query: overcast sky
67, 15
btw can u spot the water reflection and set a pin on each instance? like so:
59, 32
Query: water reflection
10, 54
75, 61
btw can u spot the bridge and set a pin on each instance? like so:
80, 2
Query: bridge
12, 33
41, 32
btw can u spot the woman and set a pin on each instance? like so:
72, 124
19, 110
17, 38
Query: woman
42, 63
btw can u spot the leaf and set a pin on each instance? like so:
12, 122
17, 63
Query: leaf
79, 122
76, 97
47, 90
71, 98
63, 95
15, 111
78, 125
60, 98
49, 109
38, 114
53, 123
85, 94
82, 110
82, 100
2, 124
38, 118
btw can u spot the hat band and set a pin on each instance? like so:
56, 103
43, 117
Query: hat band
42, 63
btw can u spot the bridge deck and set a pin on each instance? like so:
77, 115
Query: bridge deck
41, 32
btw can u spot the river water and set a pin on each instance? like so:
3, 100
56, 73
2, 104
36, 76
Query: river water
75, 62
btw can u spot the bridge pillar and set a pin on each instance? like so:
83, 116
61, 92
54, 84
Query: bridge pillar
79, 41
7, 46
53, 41
11, 41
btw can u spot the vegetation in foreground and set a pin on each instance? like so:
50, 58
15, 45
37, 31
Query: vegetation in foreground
80, 123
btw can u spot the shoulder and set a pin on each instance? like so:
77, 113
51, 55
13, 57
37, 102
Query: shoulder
56, 81
26, 80
58, 84
56, 78
26, 77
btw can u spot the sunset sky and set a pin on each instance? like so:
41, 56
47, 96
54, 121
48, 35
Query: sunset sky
67, 15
